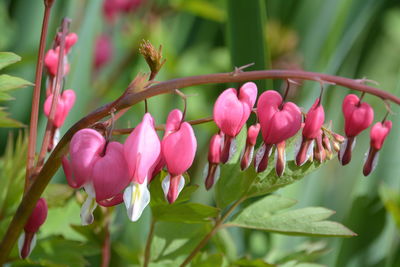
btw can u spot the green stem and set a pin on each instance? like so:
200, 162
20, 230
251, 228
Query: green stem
128, 99
216, 227
148, 243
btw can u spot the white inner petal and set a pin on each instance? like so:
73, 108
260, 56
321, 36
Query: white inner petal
136, 198
56, 137
217, 174
181, 184
165, 184
260, 154
232, 148
205, 172
21, 240
87, 210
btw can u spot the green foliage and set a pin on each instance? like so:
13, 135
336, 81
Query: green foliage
208, 260
9, 83
266, 215
391, 200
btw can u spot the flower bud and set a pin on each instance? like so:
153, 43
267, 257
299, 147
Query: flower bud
214, 158
251, 140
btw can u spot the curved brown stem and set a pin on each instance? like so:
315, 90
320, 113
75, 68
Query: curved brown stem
130, 98
148, 243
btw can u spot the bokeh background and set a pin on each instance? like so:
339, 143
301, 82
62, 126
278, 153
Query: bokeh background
351, 38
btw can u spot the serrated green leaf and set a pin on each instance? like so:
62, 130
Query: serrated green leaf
268, 181
306, 221
233, 182
6, 122
8, 82
184, 212
8, 58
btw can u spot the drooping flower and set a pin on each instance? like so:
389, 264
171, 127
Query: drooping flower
64, 105
279, 121
231, 111
103, 51
110, 175
141, 149
311, 131
179, 149
212, 169
378, 134
251, 140
27, 240
51, 62
358, 116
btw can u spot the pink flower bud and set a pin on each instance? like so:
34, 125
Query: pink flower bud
38, 217
214, 158
314, 120
51, 62
378, 134
27, 240
103, 51
110, 174
357, 116
70, 41
142, 149
179, 149
231, 110
64, 105
251, 140
85, 149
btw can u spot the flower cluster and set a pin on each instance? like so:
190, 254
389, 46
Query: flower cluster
66, 99
280, 120
112, 173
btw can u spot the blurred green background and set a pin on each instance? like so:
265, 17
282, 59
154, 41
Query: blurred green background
352, 38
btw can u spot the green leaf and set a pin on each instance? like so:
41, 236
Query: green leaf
268, 181
8, 82
184, 212
202, 8
207, 260
8, 58
309, 221
6, 122
252, 263
57, 194
233, 182
391, 200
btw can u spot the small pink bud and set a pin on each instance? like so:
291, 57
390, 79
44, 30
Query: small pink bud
378, 134
214, 158
314, 120
251, 140
85, 149
70, 41
51, 62
319, 151
64, 105
37, 219
110, 173
103, 51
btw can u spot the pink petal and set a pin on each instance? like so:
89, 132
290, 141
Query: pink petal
248, 93
173, 122
179, 149
314, 121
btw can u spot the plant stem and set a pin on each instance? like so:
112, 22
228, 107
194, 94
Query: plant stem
128, 99
148, 243
105, 251
36, 95
216, 227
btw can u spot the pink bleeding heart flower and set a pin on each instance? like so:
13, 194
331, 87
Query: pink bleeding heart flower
251, 140
64, 105
279, 121
312, 130
129, 5
141, 150
358, 116
110, 175
51, 62
179, 149
84, 150
231, 111
103, 51
70, 41
378, 134
27, 240
212, 169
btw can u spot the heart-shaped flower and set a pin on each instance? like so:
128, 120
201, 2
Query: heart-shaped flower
64, 105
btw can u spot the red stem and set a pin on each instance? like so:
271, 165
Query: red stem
36, 95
